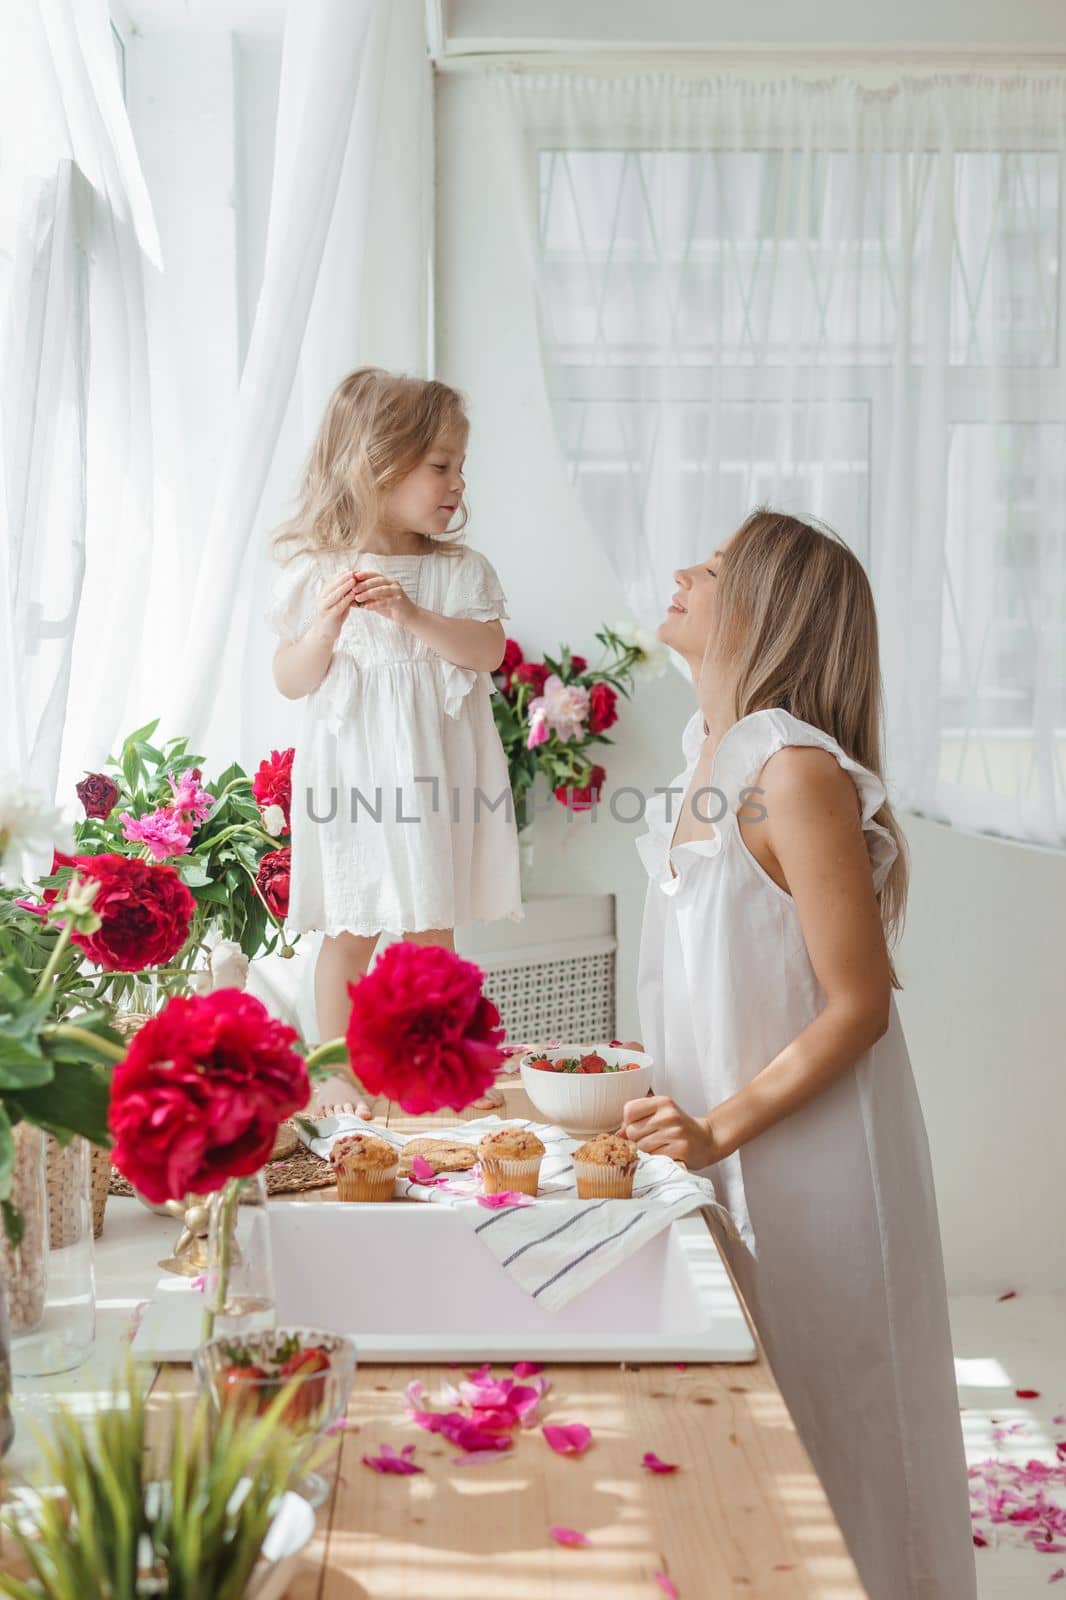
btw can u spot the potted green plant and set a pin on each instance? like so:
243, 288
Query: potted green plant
136, 1508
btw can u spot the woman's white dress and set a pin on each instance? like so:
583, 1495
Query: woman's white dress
838, 1256
402, 817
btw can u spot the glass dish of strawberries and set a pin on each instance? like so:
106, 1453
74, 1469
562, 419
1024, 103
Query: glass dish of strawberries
314, 1370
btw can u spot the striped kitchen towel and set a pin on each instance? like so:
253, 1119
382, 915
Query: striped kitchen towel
556, 1246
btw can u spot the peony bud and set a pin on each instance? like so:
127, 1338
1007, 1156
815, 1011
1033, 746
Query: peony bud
274, 821
229, 965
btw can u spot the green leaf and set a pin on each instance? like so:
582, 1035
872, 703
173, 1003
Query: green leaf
75, 1101
7, 1153
20, 1067
193, 872
130, 766
142, 733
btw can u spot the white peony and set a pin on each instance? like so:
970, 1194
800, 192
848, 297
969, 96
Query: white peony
30, 829
229, 965
274, 821
655, 657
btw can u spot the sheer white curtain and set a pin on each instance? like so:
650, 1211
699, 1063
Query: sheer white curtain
76, 230
845, 300
345, 284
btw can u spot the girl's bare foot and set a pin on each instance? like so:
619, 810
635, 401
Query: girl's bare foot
334, 1097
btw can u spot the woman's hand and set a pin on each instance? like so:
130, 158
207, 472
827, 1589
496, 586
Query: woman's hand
375, 592
658, 1126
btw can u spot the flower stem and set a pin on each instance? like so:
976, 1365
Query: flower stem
226, 1207
70, 1030
53, 960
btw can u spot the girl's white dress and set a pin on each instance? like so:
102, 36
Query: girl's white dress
402, 817
838, 1255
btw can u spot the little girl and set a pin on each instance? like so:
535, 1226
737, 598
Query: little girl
402, 819
765, 994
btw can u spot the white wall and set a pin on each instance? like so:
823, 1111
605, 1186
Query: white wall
984, 1004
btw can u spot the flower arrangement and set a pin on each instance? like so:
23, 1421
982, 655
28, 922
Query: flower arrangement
224, 842
550, 713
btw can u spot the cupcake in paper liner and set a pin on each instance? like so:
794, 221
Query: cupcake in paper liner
605, 1167
366, 1167
510, 1161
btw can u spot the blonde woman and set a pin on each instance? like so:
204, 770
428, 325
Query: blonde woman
390, 628
765, 990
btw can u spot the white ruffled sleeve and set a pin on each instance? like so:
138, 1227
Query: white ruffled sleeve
294, 597
474, 591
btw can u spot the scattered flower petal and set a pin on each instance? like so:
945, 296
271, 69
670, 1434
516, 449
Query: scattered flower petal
508, 1197
667, 1585
1028, 1394
650, 1460
1011, 1294
568, 1438
1057, 1577
421, 1169
398, 1462
682, 1366
526, 1369
568, 1536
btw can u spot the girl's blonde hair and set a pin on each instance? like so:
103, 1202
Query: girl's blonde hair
377, 427
797, 629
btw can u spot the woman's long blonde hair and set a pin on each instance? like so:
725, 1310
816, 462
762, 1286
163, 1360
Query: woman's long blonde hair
797, 629
377, 427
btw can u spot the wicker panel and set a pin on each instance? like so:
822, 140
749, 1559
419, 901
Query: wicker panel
572, 999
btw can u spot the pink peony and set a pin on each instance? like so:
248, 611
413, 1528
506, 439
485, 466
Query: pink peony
566, 706
190, 797
166, 832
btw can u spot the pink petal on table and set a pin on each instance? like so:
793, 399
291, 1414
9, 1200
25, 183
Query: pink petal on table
1011, 1294
682, 1366
421, 1169
1028, 1394
398, 1462
509, 1197
526, 1369
980, 1541
667, 1585
1059, 1421
568, 1438
476, 1458
650, 1460
568, 1536
198, 1283
342, 1425
1057, 1577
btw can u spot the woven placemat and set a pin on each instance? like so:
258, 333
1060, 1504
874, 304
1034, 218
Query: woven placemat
290, 1176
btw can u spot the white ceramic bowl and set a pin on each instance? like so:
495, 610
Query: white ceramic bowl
586, 1103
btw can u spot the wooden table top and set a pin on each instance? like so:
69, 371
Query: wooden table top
744, 1516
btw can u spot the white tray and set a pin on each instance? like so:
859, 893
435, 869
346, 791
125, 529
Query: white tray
412, 1283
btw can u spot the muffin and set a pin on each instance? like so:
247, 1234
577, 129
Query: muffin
605, 1168
510, 1160
443, 1155
366, 1167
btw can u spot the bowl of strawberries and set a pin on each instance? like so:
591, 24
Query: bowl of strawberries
314, 1371
583, 1089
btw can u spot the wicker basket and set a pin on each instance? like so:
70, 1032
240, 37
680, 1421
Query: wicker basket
62, 1225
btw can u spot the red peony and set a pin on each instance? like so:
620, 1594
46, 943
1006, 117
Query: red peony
512, 658
531, 672
603, 712
272, 784
144, 907
421, 1031
585, 797
97, 794
200, 1094
272, 881
578, 664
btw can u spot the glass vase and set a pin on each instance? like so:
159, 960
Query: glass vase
7, 1421
24, 1267
63, 1336
239, 1275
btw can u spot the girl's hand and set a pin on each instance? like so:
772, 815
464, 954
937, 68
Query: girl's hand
375, 592
334, 603
659, 1127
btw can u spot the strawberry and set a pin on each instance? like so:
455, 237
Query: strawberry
304, 1362
631, 1066
542, 1064
240, 1387
593, 1063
